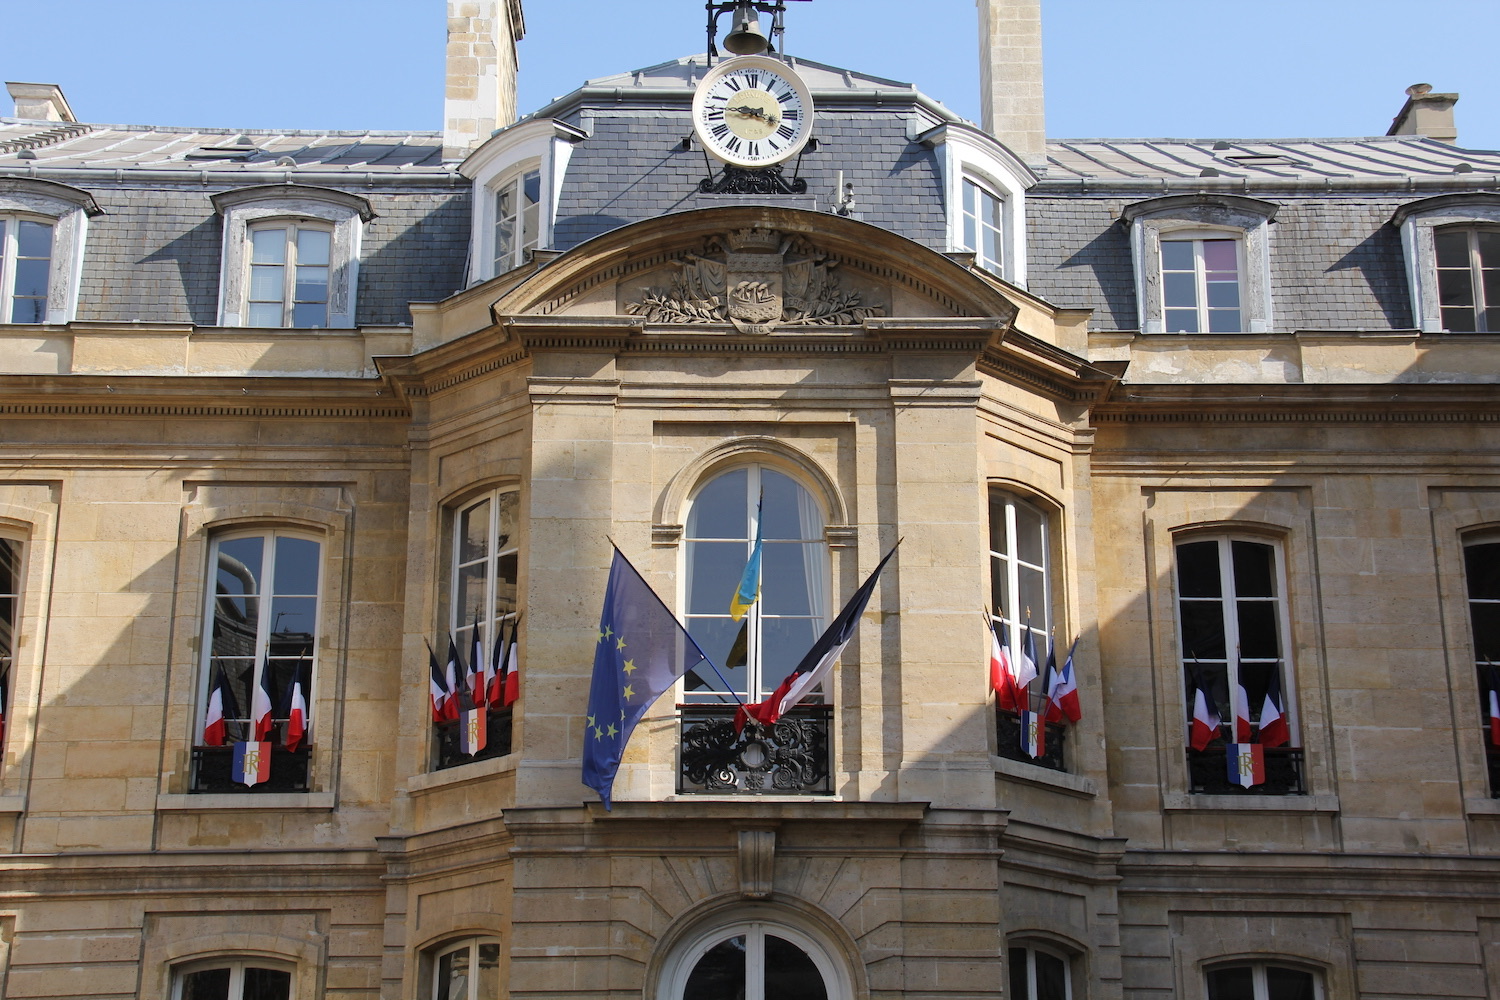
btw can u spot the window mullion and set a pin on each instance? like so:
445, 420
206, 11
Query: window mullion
1200, 284
1476, 279
1231, 616
8, 251
289, 278
263, 626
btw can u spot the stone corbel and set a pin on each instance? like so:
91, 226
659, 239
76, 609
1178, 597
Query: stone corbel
757, 863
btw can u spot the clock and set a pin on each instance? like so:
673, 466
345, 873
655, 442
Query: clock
752, 111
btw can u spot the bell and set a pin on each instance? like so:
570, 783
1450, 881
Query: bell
745, 38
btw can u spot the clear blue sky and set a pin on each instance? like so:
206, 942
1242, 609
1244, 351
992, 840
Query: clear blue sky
1115, 68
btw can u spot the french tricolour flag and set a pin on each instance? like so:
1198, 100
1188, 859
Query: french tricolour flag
1246, 763
221, 706
1492, 702
296, 711
1273, 728
436, 687
251, 763
1205, 724
1062, 692
261, 700
1002, 674
512, 685
1033, 734
471, 730
1242, 714
475, 680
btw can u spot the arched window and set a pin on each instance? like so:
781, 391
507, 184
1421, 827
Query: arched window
724, 517
25, 268
1200, 274
260, 648
1482, 575
1020, 570
1039, 973
252, 979
10, 600
518, 213
983, 225
1262, 981
289, 269
1468, 278
467, 970
754, 960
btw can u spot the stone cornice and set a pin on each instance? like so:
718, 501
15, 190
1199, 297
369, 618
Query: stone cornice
186, 396
1301, 404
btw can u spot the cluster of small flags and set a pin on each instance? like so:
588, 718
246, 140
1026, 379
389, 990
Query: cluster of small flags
1245, 761
465, 692
251, 762
1011, 680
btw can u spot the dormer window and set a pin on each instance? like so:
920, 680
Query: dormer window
1468, 278
291, 256
1202, 263
25, 265
42, 229
1200, 276
289, 263
518, 212
983, 225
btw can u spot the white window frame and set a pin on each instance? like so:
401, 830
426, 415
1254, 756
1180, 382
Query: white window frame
1480, 659
291, 204
269, 535
687, 956
544, 145
292, 228
472, 946
756, 689
8, 654
1258, 976
966, 153
1041, 620
1031, 949
1418, 222
1247, 220
236, 967
525, 234
460, 621
1228, 599
67, 210
1197, 237
983, 197
1481, 304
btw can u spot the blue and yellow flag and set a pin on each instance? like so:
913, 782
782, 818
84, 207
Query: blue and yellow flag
748, 591
640, 653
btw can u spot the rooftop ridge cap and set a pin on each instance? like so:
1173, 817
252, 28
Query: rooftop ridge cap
220, 130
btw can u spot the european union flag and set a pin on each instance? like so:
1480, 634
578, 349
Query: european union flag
640, 652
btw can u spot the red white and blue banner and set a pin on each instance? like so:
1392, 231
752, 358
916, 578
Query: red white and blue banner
475, 679
1246, 763
471, 730
1062, 691
511, 687
1205, 725
221, 707
251, 763
296, 711
1273, 728
1002, 669
1033, 734
437, 687
261, 700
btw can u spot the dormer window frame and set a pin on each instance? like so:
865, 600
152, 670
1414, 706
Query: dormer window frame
503, 163
289, 206
1198, 217
1419, 223
968, 156
66, 211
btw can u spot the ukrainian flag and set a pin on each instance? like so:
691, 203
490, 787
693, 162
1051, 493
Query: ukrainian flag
748, 591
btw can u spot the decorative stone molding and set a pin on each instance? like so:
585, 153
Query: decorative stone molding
757, 869
757, 279
68, 209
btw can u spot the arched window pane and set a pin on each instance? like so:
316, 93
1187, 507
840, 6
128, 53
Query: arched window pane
1288, 984
1231, 984
720, 974
207, 984
1051, 977
267, 984
790, 973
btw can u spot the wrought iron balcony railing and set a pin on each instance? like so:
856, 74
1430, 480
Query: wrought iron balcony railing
212, 767
496, 740
1008, 742
1208, 773
789, 758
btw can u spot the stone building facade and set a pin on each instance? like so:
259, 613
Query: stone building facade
302, 407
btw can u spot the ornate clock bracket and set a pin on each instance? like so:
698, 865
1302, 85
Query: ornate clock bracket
754, 180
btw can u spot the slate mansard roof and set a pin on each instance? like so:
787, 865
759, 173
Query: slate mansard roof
154, 253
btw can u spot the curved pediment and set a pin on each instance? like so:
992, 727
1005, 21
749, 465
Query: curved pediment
755, 270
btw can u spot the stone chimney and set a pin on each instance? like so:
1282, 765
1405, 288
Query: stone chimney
1426, 113
1010, 76
481, 85
40, 102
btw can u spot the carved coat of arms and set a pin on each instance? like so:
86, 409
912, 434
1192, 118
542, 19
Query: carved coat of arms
757, 279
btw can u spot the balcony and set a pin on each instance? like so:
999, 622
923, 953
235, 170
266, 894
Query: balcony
496, 740
1008, 742
213, 766
789, 758
1208, 773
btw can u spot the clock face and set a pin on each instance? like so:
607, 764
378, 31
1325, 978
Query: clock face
752, 111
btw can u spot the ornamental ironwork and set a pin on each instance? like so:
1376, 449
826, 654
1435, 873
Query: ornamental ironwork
1008, 742
747, 180
787, 758
213, 771
1208, 772
496, 743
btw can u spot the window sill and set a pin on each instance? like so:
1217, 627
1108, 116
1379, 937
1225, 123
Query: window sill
1472, 807
1044, 777
1185, 802
283, 801
460, 774
12, 804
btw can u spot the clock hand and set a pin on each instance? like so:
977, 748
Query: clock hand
750, 112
